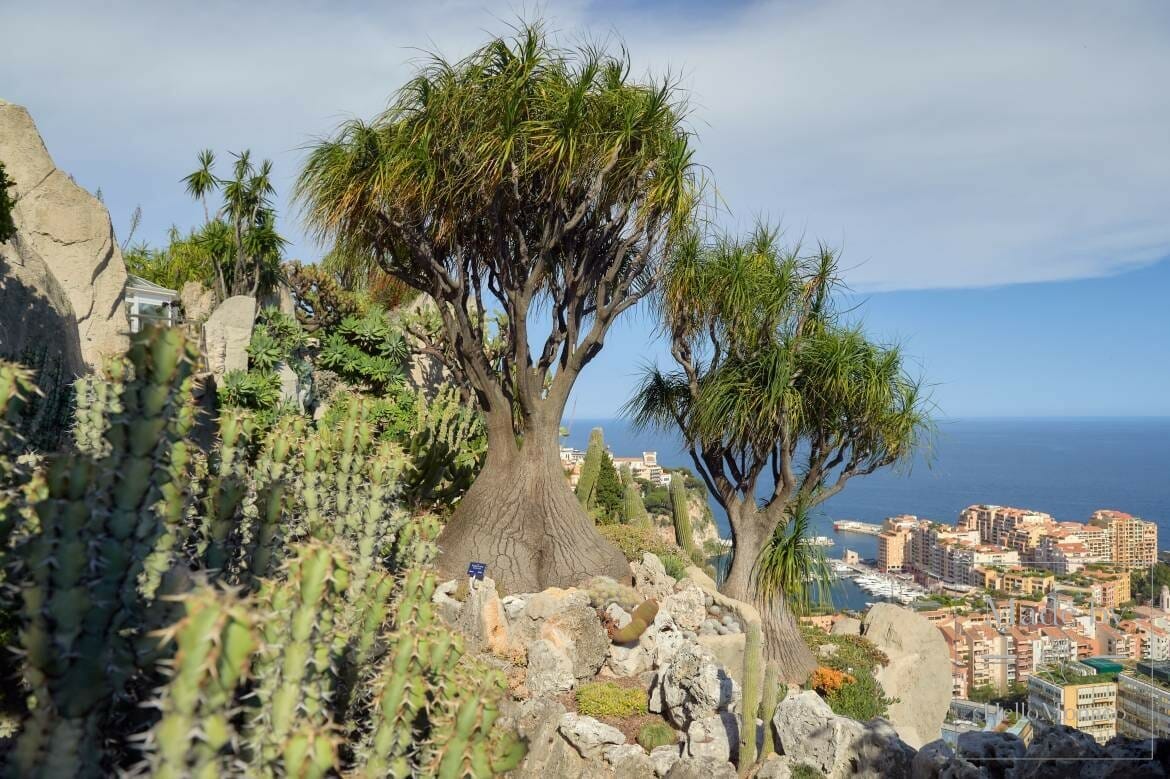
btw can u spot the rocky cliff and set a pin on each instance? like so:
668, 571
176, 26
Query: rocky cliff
63, 232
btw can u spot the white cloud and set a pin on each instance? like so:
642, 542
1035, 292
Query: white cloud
944, 144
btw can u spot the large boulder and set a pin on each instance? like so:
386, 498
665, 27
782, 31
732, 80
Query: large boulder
650, 578
36, 318
550, 671
226, 335
919, 659
549, 754
198, 302
692, 686
588, 736
565, 619
808, 732
701, 768
714, 736
482, 621
69, 230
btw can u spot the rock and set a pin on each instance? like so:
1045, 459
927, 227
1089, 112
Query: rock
629, 761
701, 768
775, 767
565, 618
36, 317
728, 651
226, 334
846, 626
628, 660
290, 387
662, 639
918, 659
483, 623
619, 615
514, 606
651, 579
588, 736
69, 230
929, 762
693, 686
549, 754
990, 750
550, 671
449, 608
713, 736
808, 731
664, 757
197, 302
686, 606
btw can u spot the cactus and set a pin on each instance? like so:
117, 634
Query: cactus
753, 681
768, 706
444, 451
591, 468
294, 593
680, 512
641, 619
216, 641
604, 591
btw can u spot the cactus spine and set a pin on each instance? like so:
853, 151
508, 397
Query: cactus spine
634, 509
753, 681
591, 467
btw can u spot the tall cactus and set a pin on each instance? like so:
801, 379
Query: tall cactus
680, 512
591, 467
753, 681
768, 706
100, 533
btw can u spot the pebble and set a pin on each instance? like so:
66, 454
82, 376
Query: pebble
728, 620
714, 611
724, 630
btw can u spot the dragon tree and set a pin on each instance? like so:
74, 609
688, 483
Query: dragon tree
780, 403
533, 192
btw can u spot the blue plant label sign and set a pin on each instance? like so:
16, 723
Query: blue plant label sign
476, 570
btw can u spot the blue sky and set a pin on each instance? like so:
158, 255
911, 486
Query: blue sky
998, 173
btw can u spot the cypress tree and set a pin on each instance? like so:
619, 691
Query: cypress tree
634, 511
591, 468
608, 492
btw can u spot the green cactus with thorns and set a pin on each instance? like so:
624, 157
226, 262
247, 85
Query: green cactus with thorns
641, 619
753, 682
604, 591
262, 609
680, 513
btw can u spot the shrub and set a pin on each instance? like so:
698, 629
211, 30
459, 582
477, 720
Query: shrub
846, 676
656, 734
806, 771
828, 680
367, 350
607, 699
675, 565
635, 541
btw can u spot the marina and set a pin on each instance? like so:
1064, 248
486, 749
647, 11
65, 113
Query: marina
853, 526
879, 585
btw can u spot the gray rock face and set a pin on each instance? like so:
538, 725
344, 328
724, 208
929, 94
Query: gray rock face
808, 731
918, 660
693, 686
226, 334
69, 230
565, 619
629, 762
588, 736
687, 606
651, 579
713, 736
198, 302
549, 754
664, 757
846, 626
550, 671
482, 621
36, 317
990, 749
701, 768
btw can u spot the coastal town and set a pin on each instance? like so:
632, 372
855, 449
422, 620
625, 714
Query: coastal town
1036, 611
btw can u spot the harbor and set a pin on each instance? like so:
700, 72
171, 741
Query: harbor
879, 585
853, 526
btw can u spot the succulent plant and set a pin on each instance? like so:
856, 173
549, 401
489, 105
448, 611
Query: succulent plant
641, 619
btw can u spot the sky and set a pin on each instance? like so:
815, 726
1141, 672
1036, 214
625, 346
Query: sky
997, 174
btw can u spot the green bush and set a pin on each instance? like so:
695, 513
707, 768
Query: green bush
863, 698
806, 771
656, 734
366, 350
675, 565
607, 699
635, 541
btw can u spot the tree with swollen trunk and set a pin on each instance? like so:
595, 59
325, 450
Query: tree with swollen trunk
779, 400
538, 188
591, 467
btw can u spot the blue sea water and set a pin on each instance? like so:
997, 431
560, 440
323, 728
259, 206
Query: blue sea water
1067, 467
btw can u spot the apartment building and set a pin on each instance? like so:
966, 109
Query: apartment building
644, 467
1004, 526
1075, 694
1133, 542
1059, 554
895, 553
1143, 701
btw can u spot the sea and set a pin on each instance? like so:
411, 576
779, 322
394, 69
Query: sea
1067, 467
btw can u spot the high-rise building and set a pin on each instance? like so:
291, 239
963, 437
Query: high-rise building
1133, 542
1143, 701
1074, 694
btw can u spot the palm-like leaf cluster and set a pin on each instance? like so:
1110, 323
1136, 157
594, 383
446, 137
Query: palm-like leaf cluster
242, 238
772, 385
525, 175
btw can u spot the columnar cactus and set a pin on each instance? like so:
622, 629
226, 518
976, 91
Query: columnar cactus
215, 643
634, 511
641, 619
768, 706
99, 534
680, 512
753, 681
